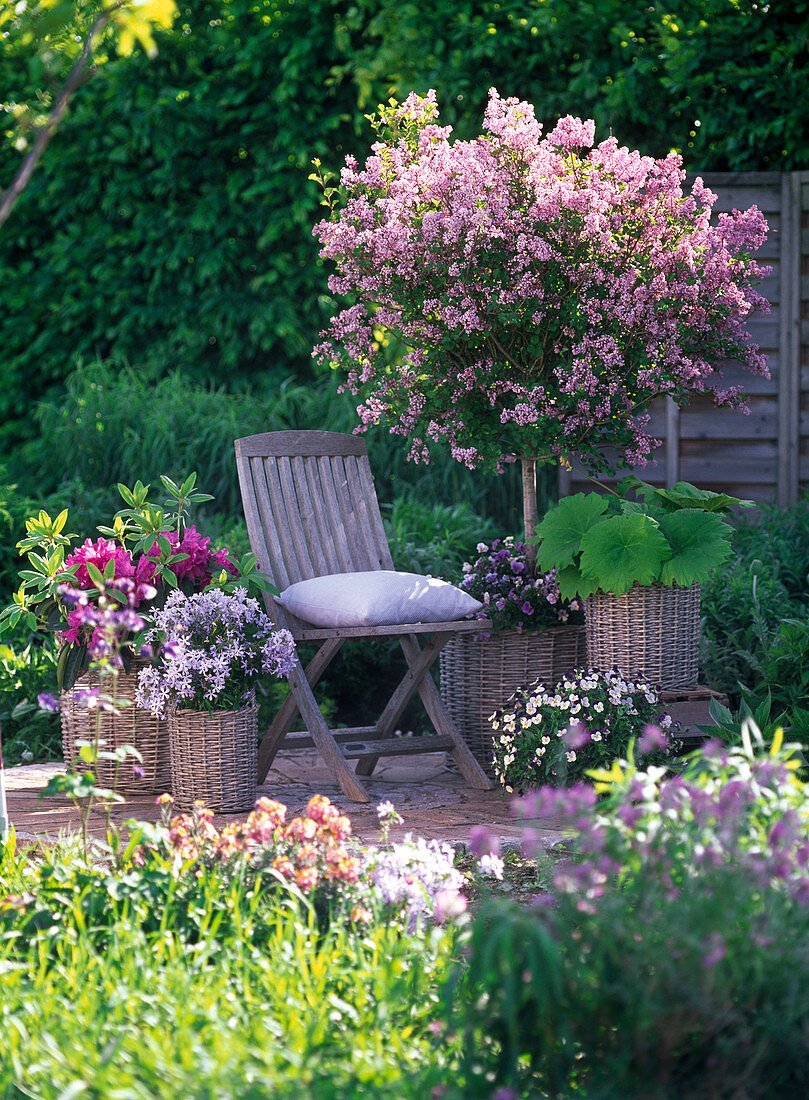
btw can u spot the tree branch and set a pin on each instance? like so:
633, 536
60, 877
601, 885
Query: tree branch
75, 78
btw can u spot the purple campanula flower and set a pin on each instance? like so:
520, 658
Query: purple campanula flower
48, 702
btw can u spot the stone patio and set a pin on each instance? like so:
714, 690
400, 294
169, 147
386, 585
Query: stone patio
426, 790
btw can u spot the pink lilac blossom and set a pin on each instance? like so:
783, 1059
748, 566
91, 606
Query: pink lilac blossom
547, 288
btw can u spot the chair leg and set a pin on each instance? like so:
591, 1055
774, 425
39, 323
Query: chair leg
404, 692
322, 736
271, 741
468, 766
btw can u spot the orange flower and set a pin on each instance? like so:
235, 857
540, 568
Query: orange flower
360, 915
283, 866
306, 854
277, 811
306, 878
301, 828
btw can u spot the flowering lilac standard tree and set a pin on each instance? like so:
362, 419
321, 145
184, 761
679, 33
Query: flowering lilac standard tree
546, 289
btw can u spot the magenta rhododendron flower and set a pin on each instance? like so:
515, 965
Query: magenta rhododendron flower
200, 563
547, 288
98, 554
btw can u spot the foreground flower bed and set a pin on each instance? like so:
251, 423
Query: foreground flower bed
663, 953
269, 957
667, 953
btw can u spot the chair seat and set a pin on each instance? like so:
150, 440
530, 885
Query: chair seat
318, 633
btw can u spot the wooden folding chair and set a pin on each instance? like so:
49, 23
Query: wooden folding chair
311, 511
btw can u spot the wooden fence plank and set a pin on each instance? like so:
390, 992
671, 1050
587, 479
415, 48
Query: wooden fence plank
789, 337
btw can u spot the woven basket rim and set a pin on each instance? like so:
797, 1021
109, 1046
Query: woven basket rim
216, 713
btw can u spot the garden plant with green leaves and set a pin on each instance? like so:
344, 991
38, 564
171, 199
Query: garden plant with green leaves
149, 550
666, 952
608, 542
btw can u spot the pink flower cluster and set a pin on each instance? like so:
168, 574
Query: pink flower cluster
193, 570
199, 563
308, 851
548, 289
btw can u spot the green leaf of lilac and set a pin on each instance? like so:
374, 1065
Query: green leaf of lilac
622, 551
560, 533
699, 541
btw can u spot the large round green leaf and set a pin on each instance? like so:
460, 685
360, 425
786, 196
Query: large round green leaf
622, 551
560, 532
572, 583
699, 541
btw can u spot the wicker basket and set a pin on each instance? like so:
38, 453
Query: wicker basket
479, 674
652, 631
131, 725
214, 758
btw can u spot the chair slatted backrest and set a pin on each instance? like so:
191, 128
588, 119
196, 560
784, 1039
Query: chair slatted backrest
310, 506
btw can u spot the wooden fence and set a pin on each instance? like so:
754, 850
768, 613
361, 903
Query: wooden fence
763, 456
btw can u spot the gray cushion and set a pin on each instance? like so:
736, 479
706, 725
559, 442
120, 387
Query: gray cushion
380, 597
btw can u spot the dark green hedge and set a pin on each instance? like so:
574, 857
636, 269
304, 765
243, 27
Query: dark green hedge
170, 222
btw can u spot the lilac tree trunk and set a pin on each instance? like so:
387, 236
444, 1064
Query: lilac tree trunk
529, 507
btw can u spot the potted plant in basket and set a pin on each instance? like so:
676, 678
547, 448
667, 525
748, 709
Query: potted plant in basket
544, 290
588, 720
149, 550
212, 647
638, 565
536, 634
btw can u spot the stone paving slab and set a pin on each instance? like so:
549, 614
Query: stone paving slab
426, 790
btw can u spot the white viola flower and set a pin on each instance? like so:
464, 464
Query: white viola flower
595, 736
546, 740
491, 865
571, 756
